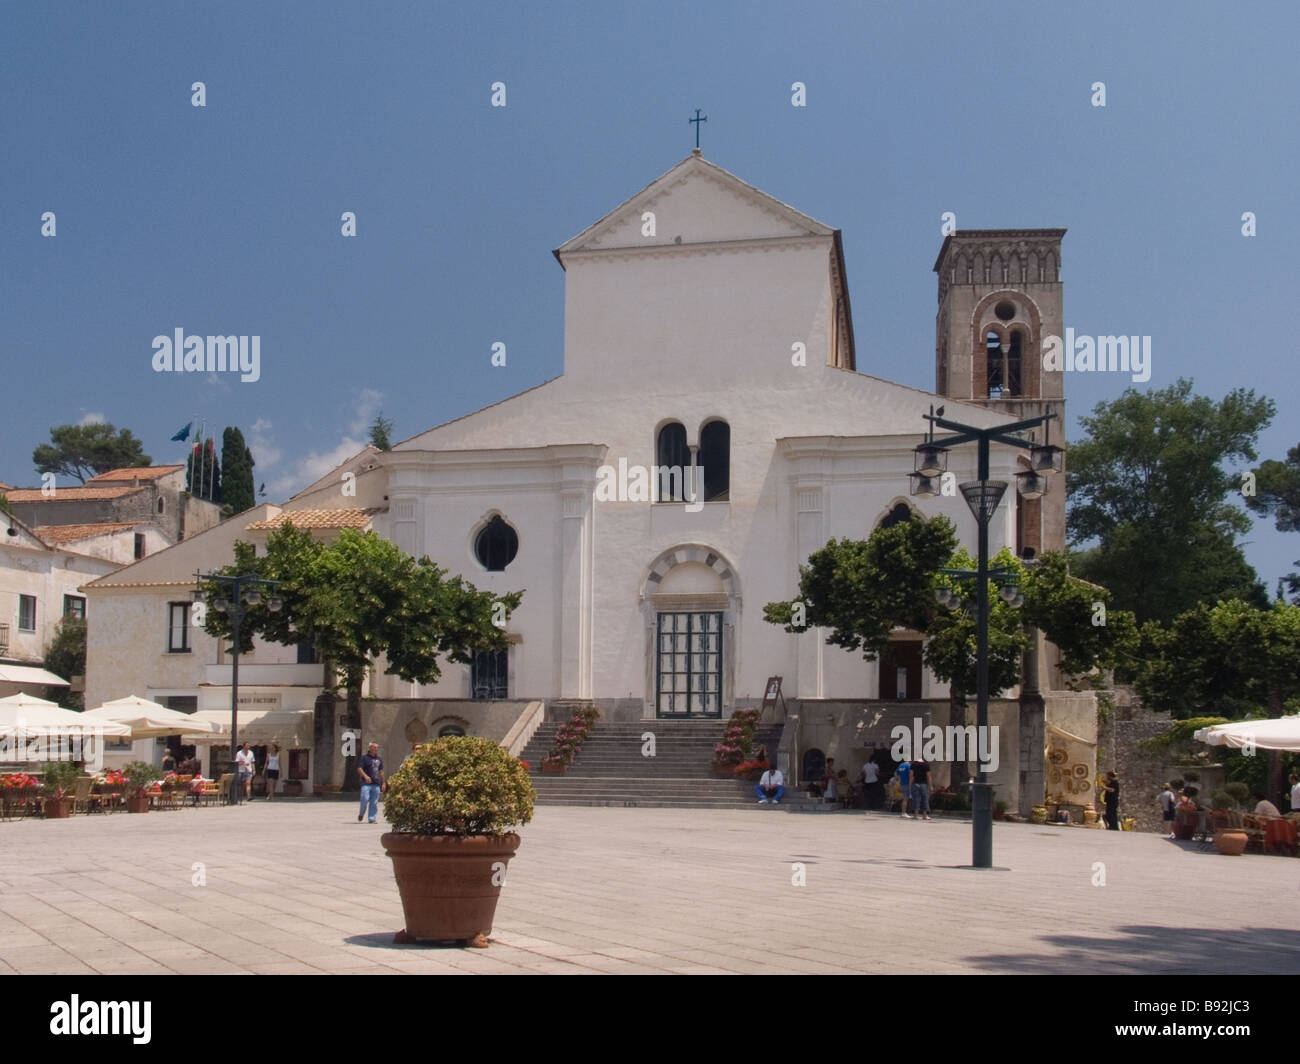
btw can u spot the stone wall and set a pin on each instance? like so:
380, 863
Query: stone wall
399, 724
1144, 773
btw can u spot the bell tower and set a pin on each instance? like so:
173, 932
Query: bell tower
999, 297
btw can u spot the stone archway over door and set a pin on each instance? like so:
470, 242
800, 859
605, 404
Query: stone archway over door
691, 606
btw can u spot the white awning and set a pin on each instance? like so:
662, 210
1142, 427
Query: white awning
291, 728
29, 674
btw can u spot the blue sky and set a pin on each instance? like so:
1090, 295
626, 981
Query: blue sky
225, 219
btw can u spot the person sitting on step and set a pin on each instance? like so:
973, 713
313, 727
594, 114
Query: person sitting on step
771, 786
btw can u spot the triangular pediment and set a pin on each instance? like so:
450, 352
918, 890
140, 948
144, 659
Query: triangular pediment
696, 202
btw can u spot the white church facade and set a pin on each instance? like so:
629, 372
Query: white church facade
708, 326
708, 333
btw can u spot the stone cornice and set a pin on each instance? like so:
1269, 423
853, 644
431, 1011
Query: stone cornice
712, 247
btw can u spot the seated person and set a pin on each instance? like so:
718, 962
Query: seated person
1264, 807
771, 786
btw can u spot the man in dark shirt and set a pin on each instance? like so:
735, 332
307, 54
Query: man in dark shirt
1111, 798
921, 787
371, 769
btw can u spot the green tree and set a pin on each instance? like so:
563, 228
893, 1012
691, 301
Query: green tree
237, 473
66, 657
82, 451
360, 597
1150, 486
1277, 495
1229, 660
863, 590
379, 433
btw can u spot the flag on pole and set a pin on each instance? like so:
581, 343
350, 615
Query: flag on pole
184, 433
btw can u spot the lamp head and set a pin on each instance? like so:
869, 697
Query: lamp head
1031, 484
931, 460
924, 487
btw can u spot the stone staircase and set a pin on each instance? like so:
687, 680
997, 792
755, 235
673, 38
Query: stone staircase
611, 769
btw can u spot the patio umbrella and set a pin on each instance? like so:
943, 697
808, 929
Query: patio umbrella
1273, 733
26, 713
147, 720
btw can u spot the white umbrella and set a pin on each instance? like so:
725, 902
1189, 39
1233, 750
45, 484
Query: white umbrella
27, 713
1273, 733
147, 720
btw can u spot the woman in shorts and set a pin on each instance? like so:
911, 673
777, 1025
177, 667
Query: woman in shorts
272, 770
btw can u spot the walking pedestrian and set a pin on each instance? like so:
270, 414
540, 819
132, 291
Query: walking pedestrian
245, 762
904, 771
371, 770
272, 770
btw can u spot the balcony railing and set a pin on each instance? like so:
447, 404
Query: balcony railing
4, 639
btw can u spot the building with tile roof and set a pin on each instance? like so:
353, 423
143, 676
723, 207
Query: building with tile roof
153, 495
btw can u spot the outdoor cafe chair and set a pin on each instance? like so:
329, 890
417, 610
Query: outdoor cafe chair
82, 798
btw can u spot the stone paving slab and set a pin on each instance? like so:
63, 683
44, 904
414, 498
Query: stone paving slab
288, 888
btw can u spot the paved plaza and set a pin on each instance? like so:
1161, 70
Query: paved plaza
301, 887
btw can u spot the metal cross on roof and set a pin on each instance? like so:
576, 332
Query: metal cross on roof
696, 121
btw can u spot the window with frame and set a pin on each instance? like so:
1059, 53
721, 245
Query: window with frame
496, 545
74, 606
27, 613
489, 674
178, 628
673, 458
688, 665
139, 545
715, 458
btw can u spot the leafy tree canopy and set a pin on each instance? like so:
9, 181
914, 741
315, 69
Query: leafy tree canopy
360, 597
66, 657
1151, 487
863, 590
83, 451
1277, 495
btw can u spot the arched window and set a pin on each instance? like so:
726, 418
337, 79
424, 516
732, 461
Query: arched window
900, 513
672, 454
993, 357
1014, 354
715, 458
496, 545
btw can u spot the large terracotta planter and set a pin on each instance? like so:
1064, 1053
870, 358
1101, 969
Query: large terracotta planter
137, 803
58, 808
1231, 843
449, 884
1184, 824
553, 768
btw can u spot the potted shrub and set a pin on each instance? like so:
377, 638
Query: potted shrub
57, 781
139, 775
452, 804
1000, 810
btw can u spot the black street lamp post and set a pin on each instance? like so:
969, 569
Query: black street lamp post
982, 496
241, 592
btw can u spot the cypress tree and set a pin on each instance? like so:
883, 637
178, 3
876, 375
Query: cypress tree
238, 462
